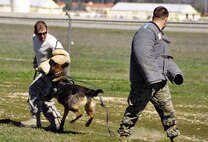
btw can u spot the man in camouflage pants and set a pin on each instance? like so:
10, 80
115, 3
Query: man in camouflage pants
149, 70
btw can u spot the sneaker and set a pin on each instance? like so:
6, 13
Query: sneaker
123, 139
32, 122
51, 128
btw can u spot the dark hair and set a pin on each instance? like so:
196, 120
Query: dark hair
160, 12
39, 25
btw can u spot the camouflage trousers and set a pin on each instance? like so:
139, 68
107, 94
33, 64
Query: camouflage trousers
139, 96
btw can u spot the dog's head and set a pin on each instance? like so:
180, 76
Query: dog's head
57, 70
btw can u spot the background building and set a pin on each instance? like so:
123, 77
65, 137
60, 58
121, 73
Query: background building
30, 6
143, 11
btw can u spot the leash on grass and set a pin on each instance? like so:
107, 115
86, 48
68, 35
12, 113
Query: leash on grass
107, 116
101, 103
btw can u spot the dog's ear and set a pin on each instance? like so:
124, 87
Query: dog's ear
52, 62
65, 65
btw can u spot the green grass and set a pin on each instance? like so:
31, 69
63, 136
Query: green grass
101, 57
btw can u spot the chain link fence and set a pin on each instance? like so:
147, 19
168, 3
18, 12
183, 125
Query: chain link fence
101, 45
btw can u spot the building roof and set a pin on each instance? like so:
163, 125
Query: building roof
98, 5
44, 3
35, 3
4, 2
149, 7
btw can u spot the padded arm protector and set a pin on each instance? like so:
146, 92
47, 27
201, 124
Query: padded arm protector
60, 56
174, 73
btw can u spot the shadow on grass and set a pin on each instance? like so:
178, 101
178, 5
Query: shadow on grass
71, 132
19, 124
12, 122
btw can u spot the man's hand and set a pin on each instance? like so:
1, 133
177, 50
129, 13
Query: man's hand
159, 85
162, 83
35, 66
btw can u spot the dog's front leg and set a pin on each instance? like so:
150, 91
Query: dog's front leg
66, 111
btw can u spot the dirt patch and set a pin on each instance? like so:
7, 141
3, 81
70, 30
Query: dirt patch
114, 100
146, 135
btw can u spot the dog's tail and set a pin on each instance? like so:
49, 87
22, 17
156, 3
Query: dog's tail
96, 92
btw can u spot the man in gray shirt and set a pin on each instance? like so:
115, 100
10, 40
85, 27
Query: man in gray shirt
43, 44
149, 69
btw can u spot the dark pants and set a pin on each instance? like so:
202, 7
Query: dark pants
39, 88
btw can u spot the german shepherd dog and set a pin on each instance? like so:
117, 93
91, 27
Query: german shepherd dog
71, 96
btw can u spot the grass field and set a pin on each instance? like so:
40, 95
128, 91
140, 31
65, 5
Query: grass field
101, 57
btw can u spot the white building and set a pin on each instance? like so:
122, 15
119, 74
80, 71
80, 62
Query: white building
144, 11
45, 6
30, 6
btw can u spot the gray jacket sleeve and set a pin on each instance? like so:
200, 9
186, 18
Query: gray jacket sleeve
143, 51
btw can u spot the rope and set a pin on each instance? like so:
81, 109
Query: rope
107, 116
72, 79
35, 74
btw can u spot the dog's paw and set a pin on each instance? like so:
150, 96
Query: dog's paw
89, 122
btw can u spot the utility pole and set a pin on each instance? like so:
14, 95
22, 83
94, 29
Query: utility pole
205, 6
